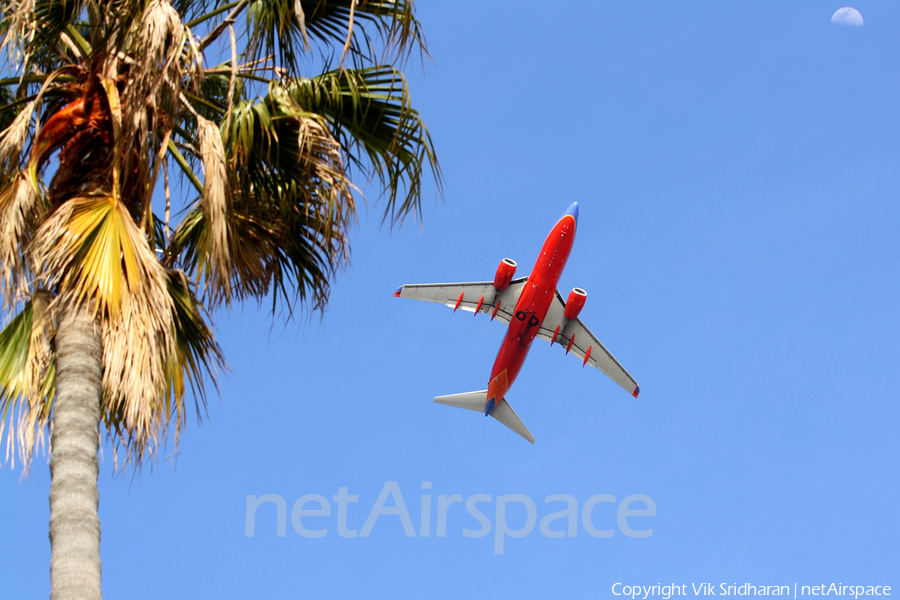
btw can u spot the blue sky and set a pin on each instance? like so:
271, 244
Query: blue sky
737, 167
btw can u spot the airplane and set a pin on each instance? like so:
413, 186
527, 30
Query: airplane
532, 307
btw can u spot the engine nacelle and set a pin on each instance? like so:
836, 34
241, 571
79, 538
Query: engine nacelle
575, 303
505, 272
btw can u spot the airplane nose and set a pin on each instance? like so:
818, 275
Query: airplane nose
572, 211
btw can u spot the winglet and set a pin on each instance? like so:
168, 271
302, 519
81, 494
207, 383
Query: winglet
397, 293
637, 390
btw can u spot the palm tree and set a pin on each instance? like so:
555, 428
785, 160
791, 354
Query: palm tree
107, 298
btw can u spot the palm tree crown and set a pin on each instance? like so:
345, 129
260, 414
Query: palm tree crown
122, 93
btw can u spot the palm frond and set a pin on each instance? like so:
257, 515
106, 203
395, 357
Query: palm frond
8, 105
275, 248
150, 100
281, 28
370, 114
13, 138
19, 214
27, 378
216, 203
192, 10
394, 22
288, 182
197, 354
32, 26
274, 29
91, 250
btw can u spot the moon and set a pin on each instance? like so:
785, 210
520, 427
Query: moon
847, 16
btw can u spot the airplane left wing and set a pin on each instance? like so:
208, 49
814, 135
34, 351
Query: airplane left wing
480, 295
578, 339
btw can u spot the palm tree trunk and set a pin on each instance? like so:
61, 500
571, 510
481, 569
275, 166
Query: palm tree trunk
74, 523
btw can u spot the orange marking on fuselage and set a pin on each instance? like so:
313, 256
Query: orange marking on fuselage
498, 387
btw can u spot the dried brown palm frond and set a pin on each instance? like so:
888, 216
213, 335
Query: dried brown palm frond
13, 138
320, 155
136, 351
150, 97
20, 27
216, 203
19, 212
161, 33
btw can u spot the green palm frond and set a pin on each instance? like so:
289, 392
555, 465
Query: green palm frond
8, 106
193, 9
393, 20
275, 246
27, 378
274, 29
277, 27
15, 340
291, 208
371, 117
198, 354
288, 173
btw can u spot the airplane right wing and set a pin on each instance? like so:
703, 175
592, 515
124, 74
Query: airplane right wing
468, 296
579, 340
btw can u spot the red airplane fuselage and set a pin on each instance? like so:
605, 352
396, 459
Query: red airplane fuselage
532, 307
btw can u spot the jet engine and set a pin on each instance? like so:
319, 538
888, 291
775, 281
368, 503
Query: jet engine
575, 303
505, 272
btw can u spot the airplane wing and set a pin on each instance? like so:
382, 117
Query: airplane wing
584, 344
467, 296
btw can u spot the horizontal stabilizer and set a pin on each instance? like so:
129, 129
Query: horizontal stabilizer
503, 412
469, 400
